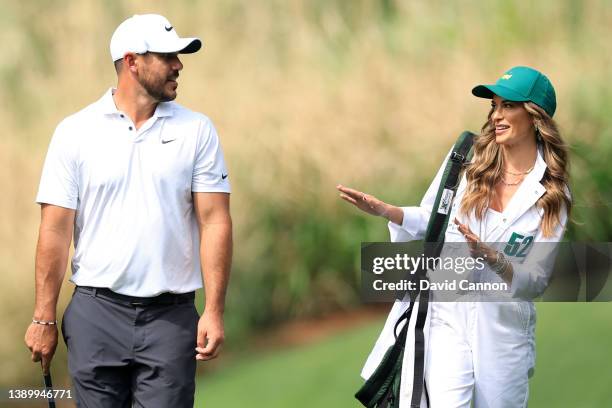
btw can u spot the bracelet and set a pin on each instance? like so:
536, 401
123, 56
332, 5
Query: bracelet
499, 267
45, 322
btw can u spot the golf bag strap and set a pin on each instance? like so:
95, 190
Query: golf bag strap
434, 240
438, 220
419, 350
405, 316
377, 389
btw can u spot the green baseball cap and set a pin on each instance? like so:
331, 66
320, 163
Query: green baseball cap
522, 84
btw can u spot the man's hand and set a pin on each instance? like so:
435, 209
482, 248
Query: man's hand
215, 224
42, 341
210, 336
54, 237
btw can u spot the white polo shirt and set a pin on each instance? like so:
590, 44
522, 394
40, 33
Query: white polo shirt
135, 230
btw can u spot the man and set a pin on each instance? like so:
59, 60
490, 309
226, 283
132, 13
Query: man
142, 183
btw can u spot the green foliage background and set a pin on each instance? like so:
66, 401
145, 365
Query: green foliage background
305, 95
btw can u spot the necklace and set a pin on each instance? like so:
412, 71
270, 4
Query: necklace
520, 173
504, 182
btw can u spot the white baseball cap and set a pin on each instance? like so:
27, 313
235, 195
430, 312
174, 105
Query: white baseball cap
149, 32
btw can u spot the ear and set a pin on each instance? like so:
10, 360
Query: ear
130, 62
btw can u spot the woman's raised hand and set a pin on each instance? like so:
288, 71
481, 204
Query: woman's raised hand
371, 205
477, 248
365, 202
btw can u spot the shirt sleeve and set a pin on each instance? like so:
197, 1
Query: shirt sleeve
414, 224
59, 180
209, 172
530, 278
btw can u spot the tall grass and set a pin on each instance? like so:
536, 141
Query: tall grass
305, 94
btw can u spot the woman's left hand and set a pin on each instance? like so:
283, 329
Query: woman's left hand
477, 248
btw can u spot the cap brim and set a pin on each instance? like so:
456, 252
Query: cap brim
181, 45
193, 45
488, 91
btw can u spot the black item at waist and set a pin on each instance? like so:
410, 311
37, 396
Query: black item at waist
162, 299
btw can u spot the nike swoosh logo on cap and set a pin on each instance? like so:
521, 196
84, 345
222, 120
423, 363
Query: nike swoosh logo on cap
168, 28
223, 176
168, 141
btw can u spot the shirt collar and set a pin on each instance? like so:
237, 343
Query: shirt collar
533, 180
107, 104
539, 167
108, 107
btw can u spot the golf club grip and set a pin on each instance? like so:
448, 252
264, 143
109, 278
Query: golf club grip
49, 387
48, 383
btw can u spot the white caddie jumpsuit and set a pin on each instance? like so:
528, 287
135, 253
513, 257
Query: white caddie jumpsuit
480, 351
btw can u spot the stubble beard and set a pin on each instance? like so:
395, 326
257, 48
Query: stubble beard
155, 87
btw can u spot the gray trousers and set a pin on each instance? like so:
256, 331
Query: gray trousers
122, 354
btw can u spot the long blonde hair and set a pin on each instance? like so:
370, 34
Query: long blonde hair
487, 167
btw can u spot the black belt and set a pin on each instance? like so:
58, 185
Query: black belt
162, 299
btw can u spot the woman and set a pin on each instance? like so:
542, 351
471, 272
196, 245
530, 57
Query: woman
514, 192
